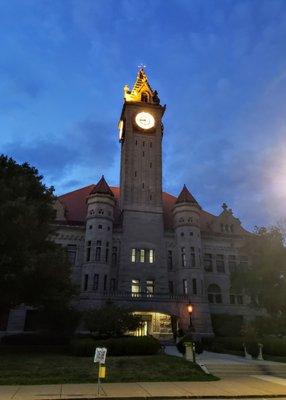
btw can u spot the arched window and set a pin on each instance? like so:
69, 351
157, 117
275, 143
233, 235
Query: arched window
214, 293
234, 297
144, 97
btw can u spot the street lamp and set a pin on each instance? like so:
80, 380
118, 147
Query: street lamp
190, 310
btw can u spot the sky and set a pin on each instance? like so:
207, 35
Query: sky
220, 66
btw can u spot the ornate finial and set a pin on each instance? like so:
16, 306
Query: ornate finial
224, 206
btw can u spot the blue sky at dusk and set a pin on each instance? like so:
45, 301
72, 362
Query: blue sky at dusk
220, 66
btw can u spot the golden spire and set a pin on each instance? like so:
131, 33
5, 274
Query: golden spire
142, 90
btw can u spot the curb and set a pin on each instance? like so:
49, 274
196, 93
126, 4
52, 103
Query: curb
266, 396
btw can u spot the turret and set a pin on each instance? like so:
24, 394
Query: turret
186, 213
98, 238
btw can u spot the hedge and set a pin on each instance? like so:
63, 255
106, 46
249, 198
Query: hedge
125, 346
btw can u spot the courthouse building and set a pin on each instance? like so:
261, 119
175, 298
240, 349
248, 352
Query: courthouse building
143, 248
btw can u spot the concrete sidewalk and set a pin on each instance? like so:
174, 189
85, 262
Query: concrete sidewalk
261, 386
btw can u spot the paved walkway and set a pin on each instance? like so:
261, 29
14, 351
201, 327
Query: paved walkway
258, 386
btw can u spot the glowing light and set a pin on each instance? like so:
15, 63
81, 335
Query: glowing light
190, 309
145, 120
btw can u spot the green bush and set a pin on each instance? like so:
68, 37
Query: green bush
125, 346
274, 346
33, 339
226, 325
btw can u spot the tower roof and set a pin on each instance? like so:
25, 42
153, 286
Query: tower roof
142, 90
186, 197
102, 187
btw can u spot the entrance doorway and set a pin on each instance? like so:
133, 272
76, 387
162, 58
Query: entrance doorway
156, 324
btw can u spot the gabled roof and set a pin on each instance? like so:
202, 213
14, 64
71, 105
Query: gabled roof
141, 85
186, 197
102, 187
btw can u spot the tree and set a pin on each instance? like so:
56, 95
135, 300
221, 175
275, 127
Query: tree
33, 269
264, 280
111, 320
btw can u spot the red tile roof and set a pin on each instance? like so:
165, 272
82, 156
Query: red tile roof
186, 197
75, 205
102, 187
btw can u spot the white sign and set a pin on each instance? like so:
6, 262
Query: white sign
100, 355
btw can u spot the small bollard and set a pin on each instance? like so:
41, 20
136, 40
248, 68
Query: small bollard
260, 356
190, 354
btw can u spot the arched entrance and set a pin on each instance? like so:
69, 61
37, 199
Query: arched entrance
159, 325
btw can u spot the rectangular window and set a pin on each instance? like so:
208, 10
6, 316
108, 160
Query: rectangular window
183, 256
114, 256
232, 299
135, 288
98, 242
220, 263
112, 285
150, 287
218, 298
85, 282
106, 255
95, 281
133, 255
97, 253
185, 286
170, 259
88, 250
239, 299
243, 262
208, 264
4, 316
194, 286
232, 263
142, 255
151, 256
193, 257
211, 298
171, 287
72, 253
105, 283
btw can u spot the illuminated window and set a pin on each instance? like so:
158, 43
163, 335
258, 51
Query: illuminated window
185, 286
142, 255
135, 288
151, 256
183, 257
144, 97
150, 287
193, 257
133, 255
214, 294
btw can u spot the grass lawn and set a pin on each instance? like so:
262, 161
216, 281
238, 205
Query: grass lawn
26, 369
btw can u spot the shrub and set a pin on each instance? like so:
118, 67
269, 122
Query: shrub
125, 346
226, 325
188, 338
111, 320
32, 339
274, 346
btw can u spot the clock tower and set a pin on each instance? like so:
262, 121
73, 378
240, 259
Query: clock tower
140, 134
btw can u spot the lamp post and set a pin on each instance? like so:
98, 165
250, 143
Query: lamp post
190, 311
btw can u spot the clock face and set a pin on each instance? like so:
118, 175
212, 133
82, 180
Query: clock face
145, 120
